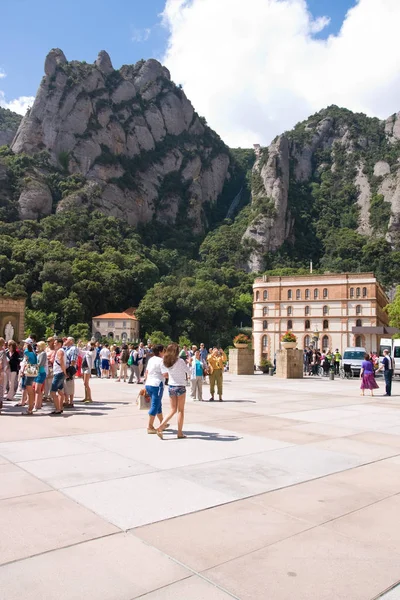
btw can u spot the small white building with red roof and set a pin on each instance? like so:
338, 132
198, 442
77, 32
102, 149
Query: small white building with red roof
122, 327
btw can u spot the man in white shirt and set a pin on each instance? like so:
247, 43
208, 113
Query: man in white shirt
105, 361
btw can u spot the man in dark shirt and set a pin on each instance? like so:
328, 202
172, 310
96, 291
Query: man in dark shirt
388, 369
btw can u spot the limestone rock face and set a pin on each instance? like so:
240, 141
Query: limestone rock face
334, 144
35, 201
127, 130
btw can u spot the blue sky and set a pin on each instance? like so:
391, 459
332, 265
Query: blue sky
30, 28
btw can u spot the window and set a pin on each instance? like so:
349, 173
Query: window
326, 324
364, 292
265, 311
265, 342
316, 293
358, 292
307, 294
325, 342
289, 295
307, 311
358, 309
124, 336
124, 324
257, 296
307, 341
325, 293
307, 324
289, 311
265, 295
97, 323
265, 324
358, 323
289, 324
111, 335
298, 294
110, 324
359, 341
325, 310
351, 292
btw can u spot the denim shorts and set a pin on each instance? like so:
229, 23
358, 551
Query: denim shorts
41, 378
58, 382
176, 390
26, 381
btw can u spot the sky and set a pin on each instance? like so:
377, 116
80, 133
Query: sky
252, 68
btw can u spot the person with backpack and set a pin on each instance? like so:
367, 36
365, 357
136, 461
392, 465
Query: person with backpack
134, 362
387, 367
123, 360
88, 360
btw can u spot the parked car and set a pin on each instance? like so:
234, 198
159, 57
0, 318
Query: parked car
354, 358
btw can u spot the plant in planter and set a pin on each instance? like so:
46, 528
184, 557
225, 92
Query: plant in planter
265, 365
241, 341
289, 340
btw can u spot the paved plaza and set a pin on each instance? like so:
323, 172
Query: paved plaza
289, 490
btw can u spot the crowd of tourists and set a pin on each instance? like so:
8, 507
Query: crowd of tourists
45, 371
314, 359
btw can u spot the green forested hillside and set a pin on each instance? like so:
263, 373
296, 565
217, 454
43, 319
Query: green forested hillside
9, 119
75, 264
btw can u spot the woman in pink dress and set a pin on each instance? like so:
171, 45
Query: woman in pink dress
367, 376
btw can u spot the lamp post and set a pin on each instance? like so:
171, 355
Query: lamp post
316, 337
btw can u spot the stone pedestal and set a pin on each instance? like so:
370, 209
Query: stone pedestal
241, 361
12, 311
289, 363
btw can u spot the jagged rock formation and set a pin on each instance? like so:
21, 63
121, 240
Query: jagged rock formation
348, 161
132, 135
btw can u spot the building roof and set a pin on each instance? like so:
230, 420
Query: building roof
122, 315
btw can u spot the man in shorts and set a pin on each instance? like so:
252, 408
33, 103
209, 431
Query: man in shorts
59, 374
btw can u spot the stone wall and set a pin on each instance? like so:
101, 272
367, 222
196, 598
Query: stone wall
12, 310
241, 361
289, 363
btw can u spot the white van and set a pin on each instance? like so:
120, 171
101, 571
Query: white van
353, 357
396, 356
393, 346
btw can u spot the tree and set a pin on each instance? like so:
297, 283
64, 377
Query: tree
393, 309
38, 322
80, 331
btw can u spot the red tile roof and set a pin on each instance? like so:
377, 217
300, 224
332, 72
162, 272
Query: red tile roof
122, 316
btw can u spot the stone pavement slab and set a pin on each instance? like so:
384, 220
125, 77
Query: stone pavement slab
68, 471
314, 565
134, 501
193, 588
117, 567
36, 449
14, 482
214, 533
41, 522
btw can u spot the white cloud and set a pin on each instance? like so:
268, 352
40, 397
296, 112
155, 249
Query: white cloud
254, 68
18, 105
141, 35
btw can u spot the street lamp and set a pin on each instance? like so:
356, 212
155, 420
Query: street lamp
316, 337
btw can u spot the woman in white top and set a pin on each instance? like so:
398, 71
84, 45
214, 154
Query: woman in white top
89, 356
154, 380
176, 368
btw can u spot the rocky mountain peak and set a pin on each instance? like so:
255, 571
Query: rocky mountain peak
130, 130
103, 62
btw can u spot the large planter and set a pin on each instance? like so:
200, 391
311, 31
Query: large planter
238, 345
289, 345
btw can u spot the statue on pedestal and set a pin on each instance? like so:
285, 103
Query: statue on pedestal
9, 332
